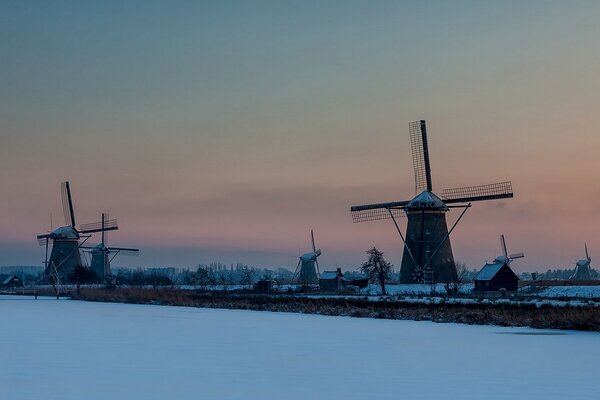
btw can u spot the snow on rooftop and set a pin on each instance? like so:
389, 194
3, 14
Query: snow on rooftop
65, 232
488, 271
427, 200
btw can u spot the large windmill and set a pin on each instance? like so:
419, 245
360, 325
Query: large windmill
307, 270
505, 257
583, 271
102, 255
427, 253
65, 255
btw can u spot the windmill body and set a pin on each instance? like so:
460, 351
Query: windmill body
427, 255
583, 271
65, 255
307, 270
100, 261
427, 230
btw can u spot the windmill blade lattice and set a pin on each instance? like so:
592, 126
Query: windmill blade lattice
420, 155
493, 191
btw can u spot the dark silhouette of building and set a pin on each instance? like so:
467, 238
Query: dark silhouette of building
496, 276
331, 281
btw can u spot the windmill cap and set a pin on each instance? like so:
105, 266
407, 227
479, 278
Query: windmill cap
311, 256
582, 263
427, 200
65, 232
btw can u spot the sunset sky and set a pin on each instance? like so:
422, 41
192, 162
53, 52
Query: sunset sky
225, 131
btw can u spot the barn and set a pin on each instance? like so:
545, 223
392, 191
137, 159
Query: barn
331, 281
496, 276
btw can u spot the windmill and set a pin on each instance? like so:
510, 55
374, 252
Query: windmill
505, 257
583, 271
307, 270
102, 255
427, 255
65, 255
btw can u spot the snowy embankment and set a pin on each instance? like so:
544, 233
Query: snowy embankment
61, 349
574, 292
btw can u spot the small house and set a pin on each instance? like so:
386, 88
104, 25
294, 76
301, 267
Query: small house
332, 281
12, 281
495, 277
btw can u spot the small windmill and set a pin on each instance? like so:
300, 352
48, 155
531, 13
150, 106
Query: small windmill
427, 255
102, 255
65, 255
583, 271
307, 270
505, 257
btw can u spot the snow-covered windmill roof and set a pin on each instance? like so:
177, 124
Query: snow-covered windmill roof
427, 200
65, 232
582, 263
311, 256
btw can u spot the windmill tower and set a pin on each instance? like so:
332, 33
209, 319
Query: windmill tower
65, 255
583, 271
505, 257
427, 255
307, 270
102, 255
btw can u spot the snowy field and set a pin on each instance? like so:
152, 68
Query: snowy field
76, 350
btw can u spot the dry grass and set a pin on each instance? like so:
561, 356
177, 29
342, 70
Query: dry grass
547, 317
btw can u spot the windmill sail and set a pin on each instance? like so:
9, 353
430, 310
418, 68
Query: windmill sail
420, 156
493, 191
67, 202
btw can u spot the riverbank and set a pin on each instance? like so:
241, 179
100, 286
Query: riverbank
544, 316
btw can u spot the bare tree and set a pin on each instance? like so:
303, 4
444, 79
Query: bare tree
248, 276
377, 268
462, 272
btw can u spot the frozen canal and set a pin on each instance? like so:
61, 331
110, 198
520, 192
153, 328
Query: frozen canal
76, 350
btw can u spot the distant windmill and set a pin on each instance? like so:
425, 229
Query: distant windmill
102, 255
427, 253
65, 255
505, 257
583, 271
307, 270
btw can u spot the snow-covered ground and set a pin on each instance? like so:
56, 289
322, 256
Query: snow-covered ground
571, 292
63, 349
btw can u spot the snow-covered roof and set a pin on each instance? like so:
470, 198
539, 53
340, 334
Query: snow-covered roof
10, 278
329, 275
65, 232
488, 271
427, 200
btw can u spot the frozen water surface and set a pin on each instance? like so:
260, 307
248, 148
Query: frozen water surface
77, 350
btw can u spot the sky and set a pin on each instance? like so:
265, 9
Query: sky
225, 131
